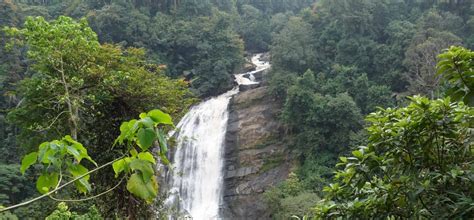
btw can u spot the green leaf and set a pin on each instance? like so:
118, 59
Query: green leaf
358, 154
127, 131
343, 159
119, 166
27, 161
162, 140
47, 181
146, 136
145, 167
147, 122
46, 153
147, 156
72, 151
77, 150
160, 117
144, 190
78, 170
82, 184
133, 152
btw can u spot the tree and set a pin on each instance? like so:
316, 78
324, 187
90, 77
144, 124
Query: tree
456, 68
14, 187
255, 29
421, 59
417, 164
62, 160
77, 78
293, 47
80, 86
51, 47
321, 122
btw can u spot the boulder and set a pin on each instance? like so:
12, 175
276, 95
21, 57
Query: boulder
247, 67
247, 87
265, 57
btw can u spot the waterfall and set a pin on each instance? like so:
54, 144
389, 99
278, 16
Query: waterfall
196, 177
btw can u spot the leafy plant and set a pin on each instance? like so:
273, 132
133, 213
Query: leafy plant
419, 162
456, 67
141, 134
59, 157
63, 213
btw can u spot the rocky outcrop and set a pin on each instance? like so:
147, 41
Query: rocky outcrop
255, 157
246, 87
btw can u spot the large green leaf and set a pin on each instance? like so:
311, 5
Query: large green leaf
160, 117
147, 156
47, 181
78, 170
147, 122
127, 131
27, 161
82, 184
146, 136
45, 152
77, 150
119, 166
74, 152
144, 190
145, 167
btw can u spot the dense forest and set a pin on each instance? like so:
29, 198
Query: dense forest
375, 97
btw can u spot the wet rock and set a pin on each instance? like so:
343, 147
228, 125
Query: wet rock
259, 75
246, 67
265, 57
247, 87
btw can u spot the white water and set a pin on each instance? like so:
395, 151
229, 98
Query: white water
197, 175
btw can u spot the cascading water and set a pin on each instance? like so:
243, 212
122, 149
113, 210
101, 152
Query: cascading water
197, 176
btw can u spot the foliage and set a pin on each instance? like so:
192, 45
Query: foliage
316, 171
39, 210
142, 134
88, 93
289, 198
364, 54
321, 120
62, 212
292, 47
418, 162
421, 58
279, 82
202, 42
8, 215
13, 186
63, 156
255, 29
456, 68
58, 157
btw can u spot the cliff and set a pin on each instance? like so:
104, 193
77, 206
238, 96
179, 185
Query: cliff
255, 157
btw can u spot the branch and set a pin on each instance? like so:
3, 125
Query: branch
88, 198
58, 188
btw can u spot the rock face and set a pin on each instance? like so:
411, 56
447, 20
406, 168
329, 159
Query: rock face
255, 157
